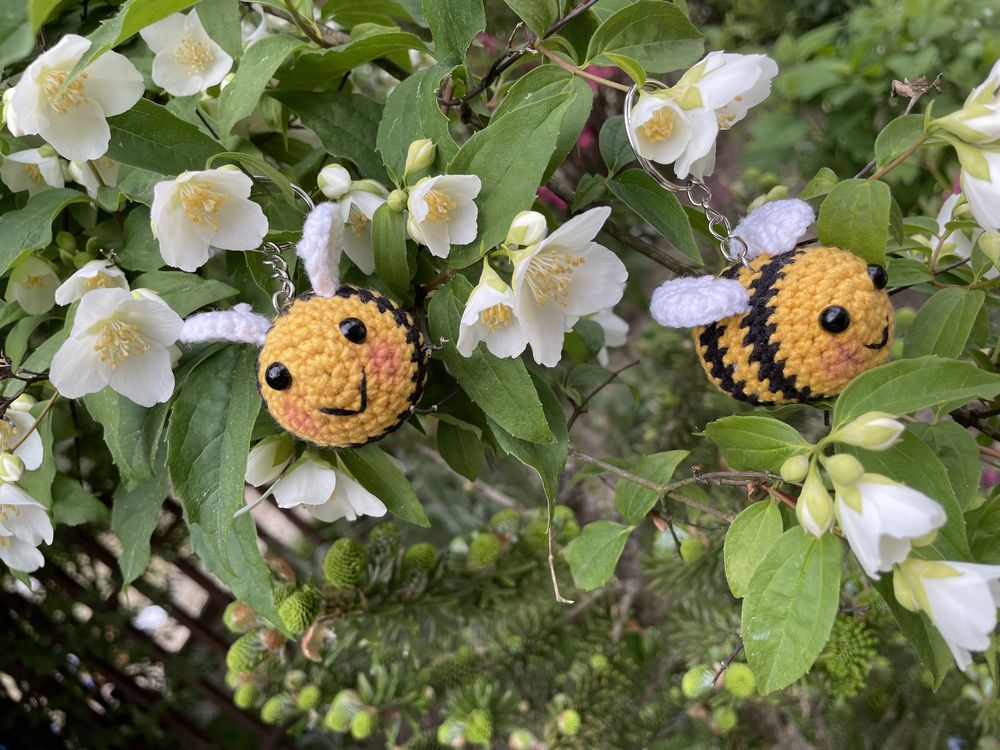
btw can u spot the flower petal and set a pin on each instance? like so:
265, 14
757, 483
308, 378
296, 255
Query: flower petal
114, 82
145, 378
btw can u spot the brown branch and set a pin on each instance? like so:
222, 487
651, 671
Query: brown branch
582, 406
727, 661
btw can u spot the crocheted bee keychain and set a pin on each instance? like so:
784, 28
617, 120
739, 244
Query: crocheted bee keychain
783, 324
338, 368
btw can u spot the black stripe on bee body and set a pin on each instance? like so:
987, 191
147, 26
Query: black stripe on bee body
764, 350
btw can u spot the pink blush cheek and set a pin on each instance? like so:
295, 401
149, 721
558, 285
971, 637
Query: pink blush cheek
843, 361
384, 359
294, 418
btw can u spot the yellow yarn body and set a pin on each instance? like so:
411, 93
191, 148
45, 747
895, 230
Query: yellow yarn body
778, 353
380, 378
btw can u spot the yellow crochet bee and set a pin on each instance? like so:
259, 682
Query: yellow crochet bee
339, 369
797, 325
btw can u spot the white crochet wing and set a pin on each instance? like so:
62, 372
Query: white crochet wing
690, 302
775, 227
321, 246
239, 324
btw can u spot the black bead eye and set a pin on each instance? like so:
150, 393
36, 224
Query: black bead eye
277, 376
353, 329
878, 276
835, 319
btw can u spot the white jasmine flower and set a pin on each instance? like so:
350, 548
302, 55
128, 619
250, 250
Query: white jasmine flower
17, 423
75, 122
94, 174
960, 598
268, 458
33, 284
97, 274
980, 178
23, 516
187, 60
9, 116
730, 84
358, 207
978, 121
957, 242
527, 228
119, 339
34, 170
333, 181
443, 212
250, 31
615, 332
201, 210
419, 155
562, 278
11, 467
873, 430
667, 134
18, 554
814, 508
882, 519
328, 493
489, 316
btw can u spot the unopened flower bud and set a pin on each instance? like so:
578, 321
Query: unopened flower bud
844, 469
397, 200
419, 155
11, 467
875, 431
527, 228
795, 468
333, 181
369, 186
24, 402
9, 117
814, 507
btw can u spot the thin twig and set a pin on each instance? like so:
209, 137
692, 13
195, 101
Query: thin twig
41, 415
914, 91
727, 661
582, 406
549, 533
545, 52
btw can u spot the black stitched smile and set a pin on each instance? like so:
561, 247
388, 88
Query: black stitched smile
335, 412
883, 342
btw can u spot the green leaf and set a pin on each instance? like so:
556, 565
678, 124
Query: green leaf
593, 555
453, 24
412, 112
944, 323
30, 228
549, 459
824, 181
389, 239
502, 388
461, 449
657, 207
140, 249
346, 124
755, 443
958, 451
221, 19
790, 606
986, 538
922, 635
628, 66
748, 540
325, 69
134, 515
148, 136
615, 148
657, 35
379, 475
131, 432
184, 292
897, 136
17, 36
912, 462
241, 96
539, 15
635, 501
510, 156
551, 81
906, 385
208, 439
855, 216
590, 188
73, 505
132, 16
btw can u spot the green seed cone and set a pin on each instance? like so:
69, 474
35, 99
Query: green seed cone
568, 722
697, 681
692, 550
299, 610
281, 592
246, 653
245, 696
421, 557
308, 697
848, 657
345, 706
364, 723
239, 617
383, 542
345, 563
484, 551
479, 727
276, 709
739, 680
507, 522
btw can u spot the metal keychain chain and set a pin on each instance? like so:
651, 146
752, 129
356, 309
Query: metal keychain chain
283, 297
732, 247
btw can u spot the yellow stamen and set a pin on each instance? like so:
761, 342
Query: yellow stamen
549, 277
34, 173
193, 56
7, 510
117, 341
73, 96
357, 221
201, 205
4, 541
8, 433
658, 127
495, 317
725, 121
438, 205
100, 281
33, 282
